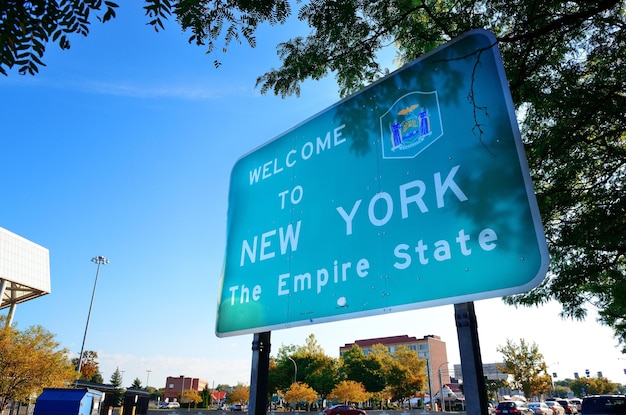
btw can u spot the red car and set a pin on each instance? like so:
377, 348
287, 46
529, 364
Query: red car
344, 410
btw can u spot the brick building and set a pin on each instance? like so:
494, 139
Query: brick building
174, 385
430, 347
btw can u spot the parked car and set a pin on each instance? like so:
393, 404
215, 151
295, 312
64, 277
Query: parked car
513, 407
604, 405
540, 408
344, 410
570, 408
556, 407
170, 405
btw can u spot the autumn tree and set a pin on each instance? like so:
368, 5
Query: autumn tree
190, 398
349, 391
406, 375
89, 368
30, 360
592, 386
526, 366
239, 394
301, 393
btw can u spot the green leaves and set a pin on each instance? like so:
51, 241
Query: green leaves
27, 27
216, 24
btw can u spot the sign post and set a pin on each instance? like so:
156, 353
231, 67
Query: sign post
412, 193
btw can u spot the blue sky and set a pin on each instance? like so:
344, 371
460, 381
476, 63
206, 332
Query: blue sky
123, 147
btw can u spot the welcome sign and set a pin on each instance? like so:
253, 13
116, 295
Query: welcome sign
413, 193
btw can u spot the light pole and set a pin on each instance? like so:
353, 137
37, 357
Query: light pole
552, 376
430, 383
443, 402
147, 377
295, 369
99, 260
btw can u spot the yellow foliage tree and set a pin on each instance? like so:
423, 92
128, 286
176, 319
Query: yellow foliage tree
30, 360
189, 397
239, 394
526, 366
301, 392
350, 391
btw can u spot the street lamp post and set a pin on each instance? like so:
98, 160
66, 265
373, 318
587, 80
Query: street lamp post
295, 369
552, 376
147, 377
443, 401
430, 383
99, 260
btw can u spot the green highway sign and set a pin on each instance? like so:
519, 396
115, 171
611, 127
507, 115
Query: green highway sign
412, 193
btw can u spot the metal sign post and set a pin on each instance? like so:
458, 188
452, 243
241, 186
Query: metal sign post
474, 387
259, 374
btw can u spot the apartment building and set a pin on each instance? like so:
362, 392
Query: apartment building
430, 347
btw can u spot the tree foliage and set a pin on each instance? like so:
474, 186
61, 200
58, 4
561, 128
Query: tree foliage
30, 360
406, 374
27, 26
526, 366
309, 362
300, 393
90, 368
239, 394
116, 381
206, 397
592, 386
380, 374
564, 62
367, 370
136, 384
349, 391
190, 398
